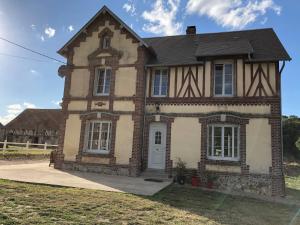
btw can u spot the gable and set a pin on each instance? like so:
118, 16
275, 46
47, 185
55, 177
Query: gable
104, 14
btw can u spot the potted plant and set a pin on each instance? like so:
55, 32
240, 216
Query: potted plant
195, 179
180, 171
210, 180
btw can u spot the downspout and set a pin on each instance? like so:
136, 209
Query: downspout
280, 71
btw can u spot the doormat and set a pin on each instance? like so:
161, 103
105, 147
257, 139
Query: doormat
153, 180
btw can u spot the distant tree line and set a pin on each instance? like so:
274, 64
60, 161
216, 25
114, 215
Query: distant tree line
291, 136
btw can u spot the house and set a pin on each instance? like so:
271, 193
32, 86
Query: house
135, 104
37, 126
1, 132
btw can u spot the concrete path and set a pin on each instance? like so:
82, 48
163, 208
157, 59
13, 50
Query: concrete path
40, 172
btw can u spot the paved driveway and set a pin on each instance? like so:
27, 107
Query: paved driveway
39, 172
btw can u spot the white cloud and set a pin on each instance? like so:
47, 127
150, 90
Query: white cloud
130, 8
33, 26
13, 110
57, 103
234, 14
70, 28
162, 18
33, 71
50, 32
42, 38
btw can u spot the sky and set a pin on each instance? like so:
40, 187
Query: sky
31, 81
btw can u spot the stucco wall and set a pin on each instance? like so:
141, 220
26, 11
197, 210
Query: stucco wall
118, 41
72, 137
77, 105
123, 105
186, 140
80, 83
124, 138
258, 109
258, 145
125, 81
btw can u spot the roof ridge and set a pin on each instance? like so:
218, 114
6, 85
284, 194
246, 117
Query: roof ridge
222, 32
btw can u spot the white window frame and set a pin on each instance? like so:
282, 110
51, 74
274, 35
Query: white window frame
96, 82
160, 82
223, 80
98, 150
237, 158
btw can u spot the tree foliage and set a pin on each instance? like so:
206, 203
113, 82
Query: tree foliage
291, 136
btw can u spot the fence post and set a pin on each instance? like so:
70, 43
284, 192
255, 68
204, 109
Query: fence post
45, 146
4, 145
27, 145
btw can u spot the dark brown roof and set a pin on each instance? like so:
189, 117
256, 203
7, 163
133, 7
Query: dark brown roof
224, 48
37, 119
262, 44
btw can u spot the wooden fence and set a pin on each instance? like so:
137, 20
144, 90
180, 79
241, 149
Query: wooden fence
4, 145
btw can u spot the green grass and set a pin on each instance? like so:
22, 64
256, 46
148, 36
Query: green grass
292, 179
22, 203
12, 153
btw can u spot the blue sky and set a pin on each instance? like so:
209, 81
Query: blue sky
46, 25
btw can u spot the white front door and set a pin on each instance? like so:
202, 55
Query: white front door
157, 146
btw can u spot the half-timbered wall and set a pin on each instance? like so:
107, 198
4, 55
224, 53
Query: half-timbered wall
197, 81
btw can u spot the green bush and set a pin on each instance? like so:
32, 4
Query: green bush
291, 136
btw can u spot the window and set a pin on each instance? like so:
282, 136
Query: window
160, 83
223, 80
98, 137
223, 142
102, 81
157, 137
106, 42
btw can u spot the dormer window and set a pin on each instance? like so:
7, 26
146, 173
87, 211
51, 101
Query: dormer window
106, 42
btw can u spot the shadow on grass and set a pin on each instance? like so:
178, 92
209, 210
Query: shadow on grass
227, 209
218, 207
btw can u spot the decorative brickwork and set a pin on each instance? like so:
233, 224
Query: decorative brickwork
85, 118
228, 119
168, 121
138, 116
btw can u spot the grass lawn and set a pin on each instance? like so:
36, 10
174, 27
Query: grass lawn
292, 179
22, 203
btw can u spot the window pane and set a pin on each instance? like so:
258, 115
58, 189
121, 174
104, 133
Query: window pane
227, 141
228, 79
104, 137
95, 136
228, 68
209, 141
218, 79
106, 42
158, 137
217, 141
236, 133
107, 81
90, 136
164, 84
100, 80
156, 83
